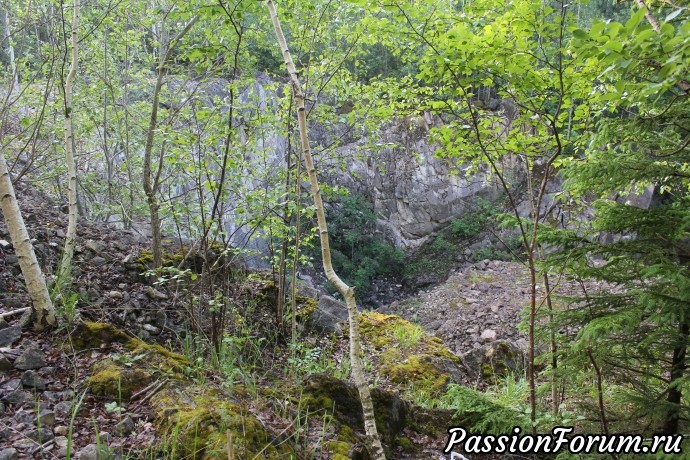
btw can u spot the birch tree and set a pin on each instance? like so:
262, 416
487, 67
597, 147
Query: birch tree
374, 442
71, 234
42, 306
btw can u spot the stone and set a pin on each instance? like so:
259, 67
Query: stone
5, 364
46, 418
24, 417
152, 329
60, 441
3, 323
31, 379
41, 434
93, 452
32, 358
115, 295
125, 427
329, 315
97, 261
105, 437
63, 409
18, 397
9, 454
61, 430
13, 384
5, 244
9, 335
155, 294
94, 246
488, 335
497, 359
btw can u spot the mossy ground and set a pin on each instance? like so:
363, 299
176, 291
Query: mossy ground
199, 424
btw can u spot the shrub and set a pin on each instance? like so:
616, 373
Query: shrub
358, 254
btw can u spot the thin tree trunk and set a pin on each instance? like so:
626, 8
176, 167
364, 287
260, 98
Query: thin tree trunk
600, 391
10, 49
71, 234
674, 393
42, 306
374, 442
151, 186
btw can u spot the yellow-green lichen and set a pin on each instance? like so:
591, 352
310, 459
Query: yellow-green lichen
122, 374
417, 370
89, 334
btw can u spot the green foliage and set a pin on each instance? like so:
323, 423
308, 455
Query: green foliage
305, 360
473, 222
408, 336
358, 253
480, 413
637, 249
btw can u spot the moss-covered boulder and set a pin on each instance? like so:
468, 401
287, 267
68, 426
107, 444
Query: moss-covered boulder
122, 374
330, 395
407, 356
113, 379
201, 424
399, 423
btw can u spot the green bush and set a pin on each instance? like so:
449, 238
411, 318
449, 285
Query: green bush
471, 224
358, 254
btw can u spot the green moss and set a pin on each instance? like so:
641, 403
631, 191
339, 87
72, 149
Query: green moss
406, 444
339, 448
196, 423
347, 434
89, 334
384, 331
406, 355
487, 372
305, 307
115, 380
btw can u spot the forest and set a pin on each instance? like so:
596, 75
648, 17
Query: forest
354, 229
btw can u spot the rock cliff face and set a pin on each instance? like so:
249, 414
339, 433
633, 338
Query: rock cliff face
414, 193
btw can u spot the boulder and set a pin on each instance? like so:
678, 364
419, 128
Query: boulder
494, 360
328, 315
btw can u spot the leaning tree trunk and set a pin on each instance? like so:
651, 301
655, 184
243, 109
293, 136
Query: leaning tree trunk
346, 291
43, 312
71, 234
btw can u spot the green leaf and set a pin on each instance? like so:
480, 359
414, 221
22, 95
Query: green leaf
673, 15
581, 34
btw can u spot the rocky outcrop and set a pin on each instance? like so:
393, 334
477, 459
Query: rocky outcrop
414, 193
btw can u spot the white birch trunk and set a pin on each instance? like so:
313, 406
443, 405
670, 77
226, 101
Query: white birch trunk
346, 291
10, 49
43, 312
65, 269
